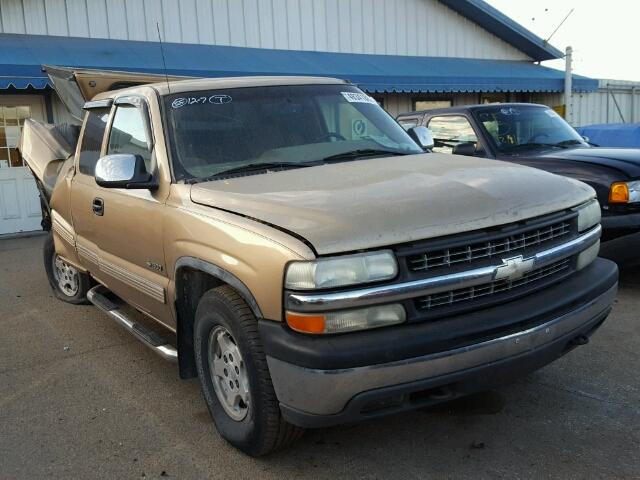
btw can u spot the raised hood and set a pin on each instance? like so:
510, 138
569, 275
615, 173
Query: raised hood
379, 202
75, 86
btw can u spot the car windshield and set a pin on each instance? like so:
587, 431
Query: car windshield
215, 132
521, 127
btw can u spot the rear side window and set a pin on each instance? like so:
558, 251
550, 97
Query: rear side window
128, 134
95, 125
449, 131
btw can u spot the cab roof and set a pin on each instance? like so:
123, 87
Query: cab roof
466, 108
75, 86
198, 84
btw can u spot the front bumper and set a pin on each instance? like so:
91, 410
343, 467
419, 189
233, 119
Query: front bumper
621, 238
318, 383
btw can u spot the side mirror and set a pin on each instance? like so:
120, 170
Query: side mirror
422, 136
465, 148
123, 170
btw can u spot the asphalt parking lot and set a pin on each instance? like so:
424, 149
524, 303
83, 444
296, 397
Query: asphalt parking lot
80, 398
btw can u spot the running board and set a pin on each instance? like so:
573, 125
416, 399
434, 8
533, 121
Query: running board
98, 296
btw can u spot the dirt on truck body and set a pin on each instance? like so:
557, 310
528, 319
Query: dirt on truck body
286, 241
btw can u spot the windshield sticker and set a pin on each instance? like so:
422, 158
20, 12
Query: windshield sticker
354, 97
213, 99
509, 111
358, 128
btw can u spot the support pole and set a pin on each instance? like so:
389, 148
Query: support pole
568, 97
608, 95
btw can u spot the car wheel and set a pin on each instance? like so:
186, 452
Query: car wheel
234, 375
67, 282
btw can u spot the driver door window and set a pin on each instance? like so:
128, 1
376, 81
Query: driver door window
128, 134
449, 131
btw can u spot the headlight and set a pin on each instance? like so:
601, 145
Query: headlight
347, 320
624, 192
341, 271
588, 215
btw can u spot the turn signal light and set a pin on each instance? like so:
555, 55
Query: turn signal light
306, 323
347, 320
619, 193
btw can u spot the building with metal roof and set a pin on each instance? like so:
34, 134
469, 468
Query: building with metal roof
408, 54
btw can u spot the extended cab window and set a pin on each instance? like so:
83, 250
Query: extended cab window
128, 134
95, 124
449, 131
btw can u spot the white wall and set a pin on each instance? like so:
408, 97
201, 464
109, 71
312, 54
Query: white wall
397, 27
592, 108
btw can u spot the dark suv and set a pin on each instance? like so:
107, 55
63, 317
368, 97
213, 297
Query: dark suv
536, 136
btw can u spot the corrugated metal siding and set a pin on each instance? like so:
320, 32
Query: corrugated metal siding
594, 108
395, 27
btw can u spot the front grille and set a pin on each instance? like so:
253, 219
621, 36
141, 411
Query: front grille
522, 240
529, 281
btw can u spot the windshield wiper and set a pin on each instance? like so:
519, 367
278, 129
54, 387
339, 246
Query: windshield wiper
362, 152
532, 145
251, 168
265, 166
565, 143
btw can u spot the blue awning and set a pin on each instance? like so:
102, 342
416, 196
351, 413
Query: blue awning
22, 56
22, 76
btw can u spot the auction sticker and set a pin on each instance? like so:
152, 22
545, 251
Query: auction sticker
355, 97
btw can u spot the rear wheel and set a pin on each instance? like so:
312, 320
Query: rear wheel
234, 375
67, 282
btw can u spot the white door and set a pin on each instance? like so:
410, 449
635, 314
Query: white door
19, 201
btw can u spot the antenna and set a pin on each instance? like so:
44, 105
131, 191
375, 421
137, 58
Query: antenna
558, 27
164, 63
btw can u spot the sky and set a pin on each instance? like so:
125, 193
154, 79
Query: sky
605, 35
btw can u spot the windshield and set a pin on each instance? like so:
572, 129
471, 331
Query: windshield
516, 128
217, 131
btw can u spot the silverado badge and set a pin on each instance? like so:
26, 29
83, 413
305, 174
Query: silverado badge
154, 266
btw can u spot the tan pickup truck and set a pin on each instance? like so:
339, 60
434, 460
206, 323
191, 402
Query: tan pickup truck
285, 240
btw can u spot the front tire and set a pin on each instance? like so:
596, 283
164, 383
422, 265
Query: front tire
234, 375
67, 282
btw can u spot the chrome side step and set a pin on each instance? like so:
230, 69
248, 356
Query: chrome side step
98, 296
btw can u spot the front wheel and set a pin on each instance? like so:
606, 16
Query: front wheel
234, 375
67, 282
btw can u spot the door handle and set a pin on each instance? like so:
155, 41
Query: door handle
98, 206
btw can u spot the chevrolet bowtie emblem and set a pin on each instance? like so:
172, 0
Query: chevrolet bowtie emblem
513, 268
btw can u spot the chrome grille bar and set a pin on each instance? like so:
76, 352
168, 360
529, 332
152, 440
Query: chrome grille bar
465, 294
317, 302
476, 251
